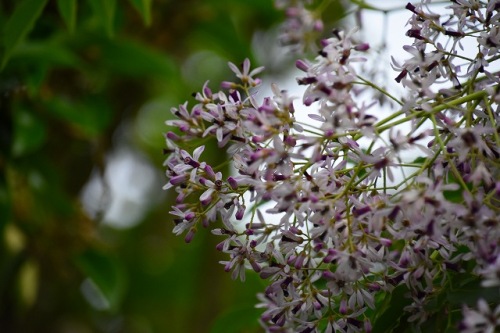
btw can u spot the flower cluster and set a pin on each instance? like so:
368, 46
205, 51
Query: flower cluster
342, 237
302, 26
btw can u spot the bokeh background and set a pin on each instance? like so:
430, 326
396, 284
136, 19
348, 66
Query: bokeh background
85, 232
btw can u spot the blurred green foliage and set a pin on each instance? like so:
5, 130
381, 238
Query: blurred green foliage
79, 79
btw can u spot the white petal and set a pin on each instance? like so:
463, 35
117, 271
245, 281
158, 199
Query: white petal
197, 152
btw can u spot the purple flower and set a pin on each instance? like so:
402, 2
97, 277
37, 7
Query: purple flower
244, 74
483, 319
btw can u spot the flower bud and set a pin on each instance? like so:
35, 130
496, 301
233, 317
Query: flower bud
190, 235
232, 182
302, 65
362, 47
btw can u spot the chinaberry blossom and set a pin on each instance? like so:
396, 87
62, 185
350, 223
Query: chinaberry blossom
340, 232
483, 319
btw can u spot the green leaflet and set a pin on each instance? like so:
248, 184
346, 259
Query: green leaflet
105, 11
144, 8
67, 10
19, 25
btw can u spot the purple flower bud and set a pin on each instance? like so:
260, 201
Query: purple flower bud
401, 75
207, 91
302, 65
415, 33
177, 180
343, 307
257, 139
197, 111
256, 82
360, 211
181, 206
228, 85
209, 171
411, 8
240, 212
232, 182
362, 47
220, 246
190, 235
228, 266
172, 136
184, 127
385, 242
299, 262
368, 326
191, 162
328, 133
180, 198
313, 198
290, 141
256, 267
308, 101
331, 256
318, 247
318, 25
328, 275
189, 216
374, 286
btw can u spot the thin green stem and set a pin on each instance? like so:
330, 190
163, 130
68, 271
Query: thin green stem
376, 87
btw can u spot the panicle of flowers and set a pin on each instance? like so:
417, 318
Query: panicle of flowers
340, 233
302, 25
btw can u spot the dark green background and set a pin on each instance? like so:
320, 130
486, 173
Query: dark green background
79, 79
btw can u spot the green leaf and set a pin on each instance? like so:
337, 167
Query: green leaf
105, 272
471, 292
144, 8
392, 310
363, 5
105, 11
132, 58
90, 116
419, 160
334, 12
19, 25
47, 53
67, 10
